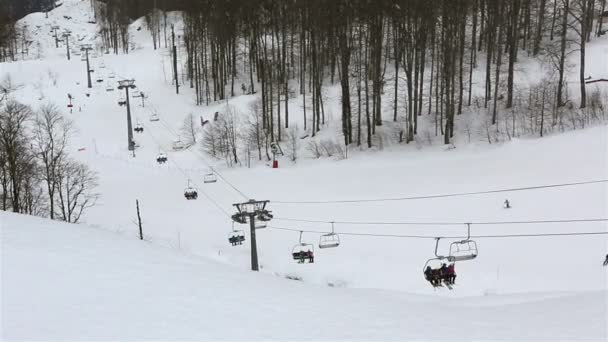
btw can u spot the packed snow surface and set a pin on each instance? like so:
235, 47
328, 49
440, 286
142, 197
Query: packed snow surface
96, 281
68, 282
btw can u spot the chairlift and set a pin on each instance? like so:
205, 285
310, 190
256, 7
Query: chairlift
102, 65
435, 265
154, 117
109, 87
139, 128
465, 249
330, 240
99, 79
236, 237
161, 158
111, 75
122, 101
210, 177
178, 145
303, 252
190, 192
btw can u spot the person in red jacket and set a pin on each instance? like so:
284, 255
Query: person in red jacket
450, 274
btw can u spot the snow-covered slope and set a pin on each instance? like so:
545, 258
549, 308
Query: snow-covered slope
67, 282
186, 281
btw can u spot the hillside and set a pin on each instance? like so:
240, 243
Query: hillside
538, 266
66, 282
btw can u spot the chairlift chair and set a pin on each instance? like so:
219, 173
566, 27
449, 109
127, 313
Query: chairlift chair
122, 101
210, 177
99, 79
139, 128
190, 192
465, 249
111, 75
154, 117
109, 87
435, 264
236, 237
303, 252
161, 158
330, 240
178, 145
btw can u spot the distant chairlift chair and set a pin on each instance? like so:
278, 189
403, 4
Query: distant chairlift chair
161, 158
190, 193
330, 240
139, 128
236, 237
433, 275
210, 177
465, 249
303, 252
178, 145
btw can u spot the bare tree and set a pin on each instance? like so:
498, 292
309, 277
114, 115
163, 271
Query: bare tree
190, 129
222, 140
14, 146
293, 143
51, 134
76, 189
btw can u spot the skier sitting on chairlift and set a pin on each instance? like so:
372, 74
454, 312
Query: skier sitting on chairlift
450, 274
310, 256
433, 276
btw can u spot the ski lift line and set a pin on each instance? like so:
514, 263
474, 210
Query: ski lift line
444, 237
458, 194
170, 130
486, 223
172, 160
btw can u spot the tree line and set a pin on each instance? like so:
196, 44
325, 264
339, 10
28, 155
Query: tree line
431, 59
11, 36
410, 57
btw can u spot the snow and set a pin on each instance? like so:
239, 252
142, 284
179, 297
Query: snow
96, 281
67, 282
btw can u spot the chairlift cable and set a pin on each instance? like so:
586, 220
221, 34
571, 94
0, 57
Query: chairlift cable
195, 153
458, 194
172, 160
442, 223
443, 237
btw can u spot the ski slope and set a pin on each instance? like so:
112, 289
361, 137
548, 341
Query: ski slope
186, 281
67, 282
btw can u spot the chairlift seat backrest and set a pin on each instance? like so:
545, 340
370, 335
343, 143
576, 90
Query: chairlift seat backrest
329, 241
210, 178
463, 250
